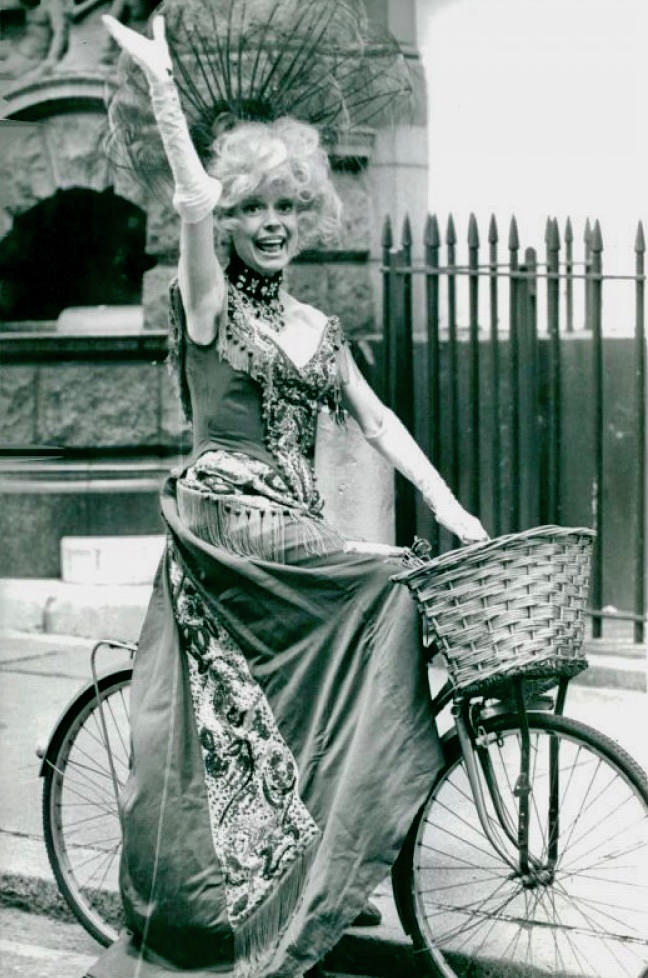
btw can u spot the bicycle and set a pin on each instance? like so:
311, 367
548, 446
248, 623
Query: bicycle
530, 854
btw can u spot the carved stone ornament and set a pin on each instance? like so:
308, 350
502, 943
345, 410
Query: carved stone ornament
42, 37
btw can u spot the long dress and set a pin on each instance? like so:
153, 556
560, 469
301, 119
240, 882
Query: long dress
282, 737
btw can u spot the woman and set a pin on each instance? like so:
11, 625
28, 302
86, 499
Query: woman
279, 674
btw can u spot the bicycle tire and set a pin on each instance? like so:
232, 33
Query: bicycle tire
450, 944
77, 775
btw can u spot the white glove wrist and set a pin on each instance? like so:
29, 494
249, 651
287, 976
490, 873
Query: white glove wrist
196, 193
395, 443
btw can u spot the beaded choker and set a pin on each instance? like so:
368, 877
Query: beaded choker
260, 293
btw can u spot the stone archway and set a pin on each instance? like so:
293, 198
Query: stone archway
75, 248
55, 145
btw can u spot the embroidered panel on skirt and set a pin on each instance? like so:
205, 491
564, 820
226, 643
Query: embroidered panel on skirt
259, 824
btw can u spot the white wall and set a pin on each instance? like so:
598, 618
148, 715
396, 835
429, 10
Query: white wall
540, 107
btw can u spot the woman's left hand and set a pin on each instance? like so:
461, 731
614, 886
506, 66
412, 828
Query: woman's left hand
459, 521
151, 55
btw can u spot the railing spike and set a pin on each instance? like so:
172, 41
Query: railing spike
432, 238
548, 231
597, 237
554, 234
492, 230
569, 231
387, 234
451, 234
513, 238
473, 232
406, 236
587, 233
640, 241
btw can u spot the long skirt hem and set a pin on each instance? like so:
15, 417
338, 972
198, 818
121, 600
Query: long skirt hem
282, 743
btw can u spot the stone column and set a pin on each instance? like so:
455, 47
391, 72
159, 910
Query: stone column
355, 482
399, 169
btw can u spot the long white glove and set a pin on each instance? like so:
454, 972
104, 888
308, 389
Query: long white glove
395, 443
196, 193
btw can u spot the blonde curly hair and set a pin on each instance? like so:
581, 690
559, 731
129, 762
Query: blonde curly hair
284, 156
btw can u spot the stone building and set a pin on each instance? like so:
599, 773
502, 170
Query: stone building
89, 418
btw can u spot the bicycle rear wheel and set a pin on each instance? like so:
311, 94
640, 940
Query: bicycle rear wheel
470, 914
80, 816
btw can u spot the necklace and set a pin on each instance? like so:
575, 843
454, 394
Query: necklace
259, 294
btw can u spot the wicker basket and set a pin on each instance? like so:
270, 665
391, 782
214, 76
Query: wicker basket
513, 606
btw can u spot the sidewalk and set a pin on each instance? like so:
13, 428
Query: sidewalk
41, 672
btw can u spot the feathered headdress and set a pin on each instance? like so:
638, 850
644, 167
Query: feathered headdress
320, 61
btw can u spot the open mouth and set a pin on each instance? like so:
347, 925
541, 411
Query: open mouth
270, 246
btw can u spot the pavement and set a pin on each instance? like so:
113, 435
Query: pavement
47, 633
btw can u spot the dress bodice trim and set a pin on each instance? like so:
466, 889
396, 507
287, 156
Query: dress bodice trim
291, 396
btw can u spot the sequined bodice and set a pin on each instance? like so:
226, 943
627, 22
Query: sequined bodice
248, 395
291, 396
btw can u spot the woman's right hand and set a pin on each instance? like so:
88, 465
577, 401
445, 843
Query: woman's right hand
459, 521
152, 56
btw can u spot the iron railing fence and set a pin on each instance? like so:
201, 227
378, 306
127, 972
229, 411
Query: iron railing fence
486, 392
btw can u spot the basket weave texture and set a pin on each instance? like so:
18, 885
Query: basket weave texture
513, 606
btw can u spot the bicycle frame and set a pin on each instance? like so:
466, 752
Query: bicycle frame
102, 719
467, 715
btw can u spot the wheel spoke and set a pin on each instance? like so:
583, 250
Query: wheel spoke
595, 931
619, 854
587, 919
454, 886
464, 821
478, 916
92, 768
82, 819
595, 904
580, 810
118, 728
108, 859
617, 831
460, 838
106, 803
451, 855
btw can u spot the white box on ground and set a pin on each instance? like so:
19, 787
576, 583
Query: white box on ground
110, 560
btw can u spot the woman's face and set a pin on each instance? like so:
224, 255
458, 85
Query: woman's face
265, 236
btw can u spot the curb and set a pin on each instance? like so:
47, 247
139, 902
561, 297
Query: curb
377, 951
613, 671
54, 607
35, 895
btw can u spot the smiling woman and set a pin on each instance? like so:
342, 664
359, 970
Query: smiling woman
284, 158
265, 235
279, 671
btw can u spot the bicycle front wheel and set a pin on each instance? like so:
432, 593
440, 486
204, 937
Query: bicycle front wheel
470, 914
80, 815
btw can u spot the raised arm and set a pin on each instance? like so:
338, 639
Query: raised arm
390, 437
201, 278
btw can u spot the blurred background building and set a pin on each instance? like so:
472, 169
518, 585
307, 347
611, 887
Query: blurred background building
532, 108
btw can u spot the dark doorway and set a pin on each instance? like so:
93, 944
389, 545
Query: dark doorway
77, 248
